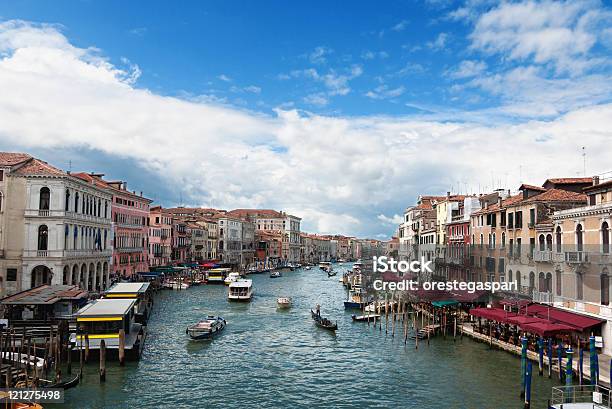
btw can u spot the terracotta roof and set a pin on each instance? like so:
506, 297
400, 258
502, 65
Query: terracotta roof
99, 182
37, 167
557, 195
569, 180
525, 186
606, 184
509, 201
13, 158
256, 212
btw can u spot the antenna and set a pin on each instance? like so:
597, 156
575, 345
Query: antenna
70, 166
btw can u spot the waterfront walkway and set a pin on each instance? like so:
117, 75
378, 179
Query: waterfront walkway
604, 360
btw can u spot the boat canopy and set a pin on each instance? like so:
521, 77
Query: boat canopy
125, 290
241, 283
105, 309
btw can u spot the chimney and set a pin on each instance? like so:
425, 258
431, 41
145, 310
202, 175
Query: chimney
499, 200
447, 195
595, 180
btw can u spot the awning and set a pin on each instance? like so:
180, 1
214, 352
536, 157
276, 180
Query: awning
553, 314
546, 328
521, 320
210, 265
494, 314
441, 304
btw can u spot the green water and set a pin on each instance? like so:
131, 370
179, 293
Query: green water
267, 358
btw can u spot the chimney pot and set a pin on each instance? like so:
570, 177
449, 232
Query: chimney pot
595, 180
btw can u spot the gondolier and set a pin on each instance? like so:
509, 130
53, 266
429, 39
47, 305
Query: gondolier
318, 309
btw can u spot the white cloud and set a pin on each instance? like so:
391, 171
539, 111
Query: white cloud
339, 173
319, 55
224, 78
439, 43
393, 220
468, 68
557, 32
384, 92
336, 84
318, 99
400, 26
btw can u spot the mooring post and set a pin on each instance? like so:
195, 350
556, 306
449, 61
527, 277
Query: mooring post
523, 364
541, 356
102, 361
121, 347
528, 386
86, 348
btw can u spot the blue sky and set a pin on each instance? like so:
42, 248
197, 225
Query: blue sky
340, 112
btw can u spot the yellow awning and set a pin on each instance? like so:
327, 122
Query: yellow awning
121, 295
85, 319
98, 336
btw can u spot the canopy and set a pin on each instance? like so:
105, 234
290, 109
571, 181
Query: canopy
495, 314
546, 328
441, 304
577, 321
521, 320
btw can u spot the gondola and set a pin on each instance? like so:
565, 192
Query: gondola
331, 273
323, 322
70, 383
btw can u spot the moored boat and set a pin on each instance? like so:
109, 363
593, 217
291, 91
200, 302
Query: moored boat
241, 290
380, 306
283, 302
366, 317
355, 299
231, 277
207, 328
217, 275
322, 322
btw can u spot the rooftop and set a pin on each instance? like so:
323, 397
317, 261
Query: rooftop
128, 288
107, 307
45, 294
13, 158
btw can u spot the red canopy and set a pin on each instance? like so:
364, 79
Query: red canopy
545, 328
577, 321
494, 314
521, 320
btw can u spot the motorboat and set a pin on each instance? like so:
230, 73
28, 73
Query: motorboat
276, 274
324, 265
322, 322
231, 277
355, 299
283, 302
331, 273
307, 268
207, 328
241, 290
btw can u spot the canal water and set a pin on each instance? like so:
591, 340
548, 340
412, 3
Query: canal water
268, 358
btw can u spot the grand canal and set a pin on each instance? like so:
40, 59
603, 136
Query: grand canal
268, 358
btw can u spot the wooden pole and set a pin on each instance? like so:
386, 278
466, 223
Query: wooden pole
69, 359
386, 314
102, 361
86, 348
416, 332
121, 347
405, 325
392, 315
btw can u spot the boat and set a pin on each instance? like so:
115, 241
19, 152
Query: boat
331, 273
324, 265
217, 275
307, 268
323, 322
67, 384
231, 277
240, 290
355, 299
276, 274
366, 317
207, 328
283, 302
175, 285
375, 306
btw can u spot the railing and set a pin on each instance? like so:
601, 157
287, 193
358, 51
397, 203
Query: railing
130, 249
576, 257
592, 395
41, 253
542, 297
542, 255
67, 253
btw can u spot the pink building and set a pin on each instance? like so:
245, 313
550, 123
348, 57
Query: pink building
130, 226
160, 237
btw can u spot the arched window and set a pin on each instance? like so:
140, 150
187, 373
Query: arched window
605, 237
493, 242
558, 238
558, 278
541, 282
76, 202
510, 276
548, 282
579, 285
99, 207
45, 196
542, 242
579, 238
531, 281
518, 279
43, 235
549, 242
503, 242
605, 287
67, 201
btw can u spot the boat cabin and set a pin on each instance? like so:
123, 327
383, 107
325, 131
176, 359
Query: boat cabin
103, 319
141, 292
241, 290
217, 275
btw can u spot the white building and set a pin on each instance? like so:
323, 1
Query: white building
56, 228
230, 239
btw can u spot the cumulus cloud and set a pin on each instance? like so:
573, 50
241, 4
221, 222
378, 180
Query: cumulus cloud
395, 220
339, 173
439, 43
468, 68
384, 92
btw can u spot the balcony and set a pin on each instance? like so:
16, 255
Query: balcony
601, 258
544, 256
130, 249
576, 257
67, 253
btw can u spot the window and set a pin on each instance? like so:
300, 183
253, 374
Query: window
511, 247
518, 247
502, 218
76, 202
43, 233
45, 194
0, 201
605, 237
509, 276
532, 217
510, 220
503, 240
11, 273
558, 238
518, 220
542, 242
1, 175
67, 201
558, 278
531, 281
579, 238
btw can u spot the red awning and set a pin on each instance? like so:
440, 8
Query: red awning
557, 315
520, 320
494, 314
545, 328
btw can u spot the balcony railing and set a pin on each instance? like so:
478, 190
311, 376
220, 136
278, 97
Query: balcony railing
542, 255
41, 253
576, 257
67, 253
130, 249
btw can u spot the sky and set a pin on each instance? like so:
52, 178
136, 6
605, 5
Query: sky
342, 113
